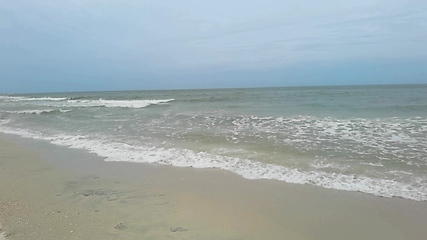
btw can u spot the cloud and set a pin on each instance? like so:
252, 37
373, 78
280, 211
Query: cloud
94, 38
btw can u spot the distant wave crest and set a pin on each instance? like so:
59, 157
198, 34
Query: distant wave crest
39, 111
117, 103
19, 99
81, 102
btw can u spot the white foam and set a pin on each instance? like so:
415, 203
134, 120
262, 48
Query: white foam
378, 138
3, 235
372, 164
117, 103
324, 165
17, 98
113, 151
33, 111
39, 111
67, 102
65, 110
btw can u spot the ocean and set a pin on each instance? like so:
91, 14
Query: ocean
371, 139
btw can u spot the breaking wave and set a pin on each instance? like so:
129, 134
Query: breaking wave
18, 99
81, 102
117, 103
38, 112
114, 151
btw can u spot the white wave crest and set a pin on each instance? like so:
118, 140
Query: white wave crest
38, 111
18, 99
117, 103
113, 151
70, 102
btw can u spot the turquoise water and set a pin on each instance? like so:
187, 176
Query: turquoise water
371, 139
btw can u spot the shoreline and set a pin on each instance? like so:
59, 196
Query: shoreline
121, 200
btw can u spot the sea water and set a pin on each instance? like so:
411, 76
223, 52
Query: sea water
371, 139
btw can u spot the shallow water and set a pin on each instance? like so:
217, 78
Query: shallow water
359, 138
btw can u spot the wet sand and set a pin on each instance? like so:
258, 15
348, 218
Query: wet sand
51, 192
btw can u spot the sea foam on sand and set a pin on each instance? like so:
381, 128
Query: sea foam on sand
74, 194
3, 235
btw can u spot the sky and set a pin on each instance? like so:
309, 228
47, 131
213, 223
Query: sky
87, 45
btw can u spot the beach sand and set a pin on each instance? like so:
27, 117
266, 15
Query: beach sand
52, 192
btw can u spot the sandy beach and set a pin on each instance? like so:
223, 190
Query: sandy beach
51, 192
213, 120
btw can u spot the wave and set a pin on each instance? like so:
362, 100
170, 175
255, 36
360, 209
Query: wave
18, 99
38, 112
113, 151
117, 103
81, 102
76, 98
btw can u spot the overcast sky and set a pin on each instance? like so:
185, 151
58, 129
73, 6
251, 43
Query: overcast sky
75, 45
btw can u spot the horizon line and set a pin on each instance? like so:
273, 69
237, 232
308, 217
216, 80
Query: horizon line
218, 88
